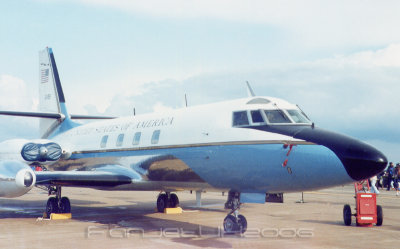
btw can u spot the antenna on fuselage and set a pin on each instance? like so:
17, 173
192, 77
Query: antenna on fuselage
185, 100
134, 111
250, 92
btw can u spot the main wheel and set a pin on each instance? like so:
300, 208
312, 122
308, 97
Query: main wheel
242, 222
379, 213
51, 206
230, 224
65, 205
162, 201
173, 201
347, 215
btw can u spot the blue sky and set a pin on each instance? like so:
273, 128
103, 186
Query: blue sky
339, 60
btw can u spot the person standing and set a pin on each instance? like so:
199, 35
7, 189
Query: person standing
380, 180
373, 184
396, 178
390, 173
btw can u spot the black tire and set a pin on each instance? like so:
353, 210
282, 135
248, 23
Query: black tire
242, 222
379, 214
347, 215
65, 205
51, 206
162, 202
230, 224
173, 201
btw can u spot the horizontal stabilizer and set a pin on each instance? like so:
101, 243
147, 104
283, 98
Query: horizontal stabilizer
33, 114
51, 115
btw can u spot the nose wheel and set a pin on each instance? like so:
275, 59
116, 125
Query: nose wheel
234, 222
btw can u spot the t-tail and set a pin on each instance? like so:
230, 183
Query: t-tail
53, 114
51, 97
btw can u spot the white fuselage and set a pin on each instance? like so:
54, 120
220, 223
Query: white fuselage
204, 124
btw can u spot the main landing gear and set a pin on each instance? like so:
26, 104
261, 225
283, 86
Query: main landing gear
57, 204
234, 222
167, 200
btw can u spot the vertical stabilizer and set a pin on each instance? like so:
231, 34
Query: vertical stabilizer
51, 96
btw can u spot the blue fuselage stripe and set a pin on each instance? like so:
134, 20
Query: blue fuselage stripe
250, 168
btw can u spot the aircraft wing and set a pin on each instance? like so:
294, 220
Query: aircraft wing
85, 178
143, 172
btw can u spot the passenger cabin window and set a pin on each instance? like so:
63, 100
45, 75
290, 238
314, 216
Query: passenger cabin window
103, 142
276, 117
256, 117
298, 117
155, 137
240, 118
120, 140
136, 138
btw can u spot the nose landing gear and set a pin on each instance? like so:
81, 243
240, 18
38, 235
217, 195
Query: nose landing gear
234, 222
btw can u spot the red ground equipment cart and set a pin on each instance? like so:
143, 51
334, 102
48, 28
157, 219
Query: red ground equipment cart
367, 212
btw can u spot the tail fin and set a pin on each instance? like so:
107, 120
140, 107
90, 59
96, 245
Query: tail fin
51, 95
53, 114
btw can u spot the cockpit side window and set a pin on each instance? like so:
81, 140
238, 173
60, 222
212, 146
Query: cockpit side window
240, 118
256, 117
276, 117
298, 117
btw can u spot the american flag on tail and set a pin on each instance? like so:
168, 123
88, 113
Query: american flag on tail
44, 75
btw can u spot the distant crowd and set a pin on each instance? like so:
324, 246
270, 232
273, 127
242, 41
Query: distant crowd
389, 179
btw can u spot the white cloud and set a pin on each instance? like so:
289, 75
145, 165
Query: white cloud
313, 22
388, 56
364, 83
160, 107
14, 94
355, 88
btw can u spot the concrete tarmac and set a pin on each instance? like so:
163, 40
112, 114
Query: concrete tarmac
102, 219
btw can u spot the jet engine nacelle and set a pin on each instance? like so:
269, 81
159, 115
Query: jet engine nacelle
44, 151
16, 178
41, 152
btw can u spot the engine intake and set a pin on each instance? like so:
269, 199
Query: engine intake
28, 179
16, 178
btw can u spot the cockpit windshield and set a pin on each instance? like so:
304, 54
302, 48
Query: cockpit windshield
273, 117
298, 117
276, 117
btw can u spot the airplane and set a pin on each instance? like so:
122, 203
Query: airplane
250, 148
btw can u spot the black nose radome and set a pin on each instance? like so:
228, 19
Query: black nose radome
360, 160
